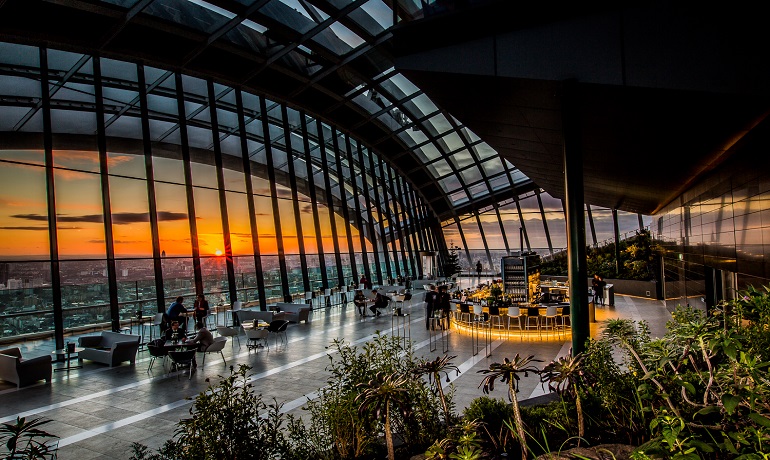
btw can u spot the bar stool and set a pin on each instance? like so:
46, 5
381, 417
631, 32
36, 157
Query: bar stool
465, 311
327, 297
514, 313
495, 317
533, 314
550, 318
211, 319
236, 307
156, 322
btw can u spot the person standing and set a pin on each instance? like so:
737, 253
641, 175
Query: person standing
478, 268
430, 301
201, 307
442, 304
597, 284
602, 284
176, 309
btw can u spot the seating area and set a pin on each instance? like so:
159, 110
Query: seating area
109, 348
15, 369
292, 312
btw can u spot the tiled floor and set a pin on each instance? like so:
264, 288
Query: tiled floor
99, 411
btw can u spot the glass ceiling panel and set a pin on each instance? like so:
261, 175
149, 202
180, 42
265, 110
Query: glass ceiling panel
249, 37
118, 96
399, 86
389, 120
438, 125
428, 153
346, 35
196, 14
337, 39
450, 184
289, 13
478, 190
374, 16
462, 159
420, 105
471, 175
452, 141
472, 137
500, 182
492, 166
484, 151
458, 198
412, 137
440, 168
312, 12
300, 63
518, 177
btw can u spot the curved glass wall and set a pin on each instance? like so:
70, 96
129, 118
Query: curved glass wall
533, 221
123, 186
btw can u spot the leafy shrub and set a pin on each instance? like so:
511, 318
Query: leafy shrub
491, 415
226, 421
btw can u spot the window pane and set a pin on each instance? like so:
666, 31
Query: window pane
79, 218
208, 218
130, 217
173, 225
23, 212
240, 224
263, 209
26, 300
85, 295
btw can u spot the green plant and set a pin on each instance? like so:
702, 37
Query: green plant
433, 369
452, 262
463, 443
26, 440
338, 427
380, 394
491, 414
567, 377
705, 382
508, 372
228, 421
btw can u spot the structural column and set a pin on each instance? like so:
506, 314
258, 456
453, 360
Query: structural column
576, 228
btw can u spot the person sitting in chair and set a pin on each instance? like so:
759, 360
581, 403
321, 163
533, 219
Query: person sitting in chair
174, 332
360, 301
203, 339
380, 301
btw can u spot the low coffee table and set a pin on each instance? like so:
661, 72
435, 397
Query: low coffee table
67, 365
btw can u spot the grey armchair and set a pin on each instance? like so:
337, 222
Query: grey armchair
14, 368
110, 348
216, 347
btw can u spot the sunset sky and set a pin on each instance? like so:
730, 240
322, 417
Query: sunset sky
24, 223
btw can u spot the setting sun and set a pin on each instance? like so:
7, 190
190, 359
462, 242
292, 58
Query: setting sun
218, 252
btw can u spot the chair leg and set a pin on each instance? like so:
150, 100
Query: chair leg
223, 357
203, 361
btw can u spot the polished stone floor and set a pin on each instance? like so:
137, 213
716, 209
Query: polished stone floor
99, 411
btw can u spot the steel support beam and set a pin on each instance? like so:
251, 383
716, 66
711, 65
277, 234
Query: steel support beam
576, 227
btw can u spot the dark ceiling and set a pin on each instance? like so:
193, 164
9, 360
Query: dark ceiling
662, 95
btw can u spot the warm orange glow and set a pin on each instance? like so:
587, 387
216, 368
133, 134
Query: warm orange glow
218, 252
